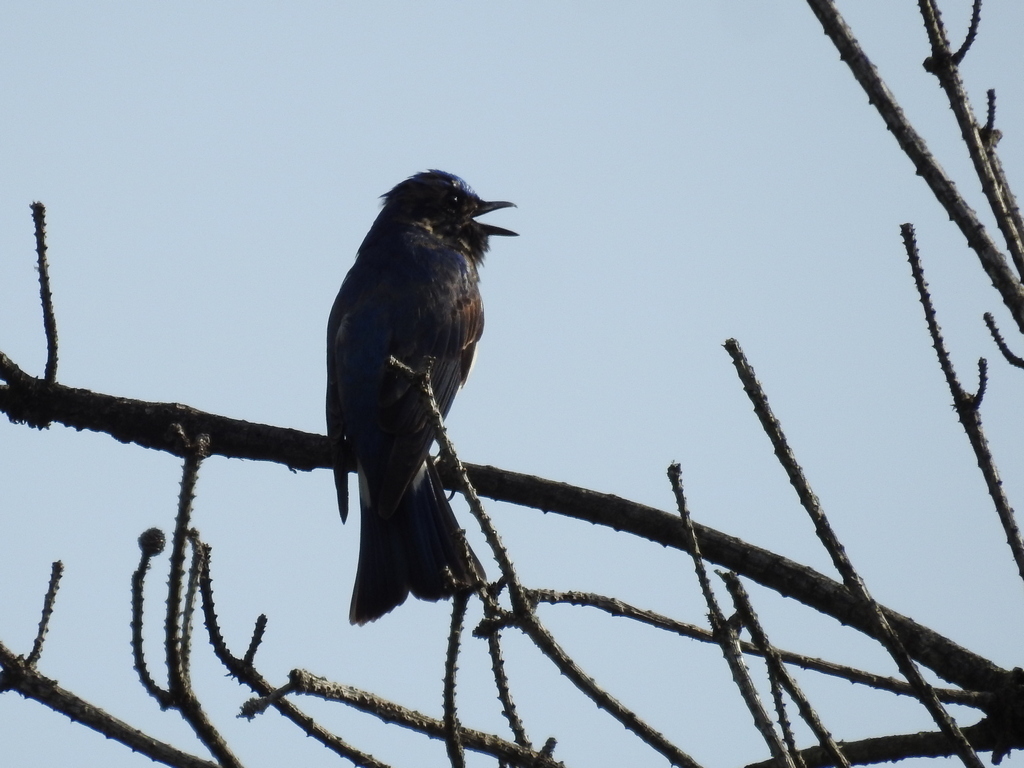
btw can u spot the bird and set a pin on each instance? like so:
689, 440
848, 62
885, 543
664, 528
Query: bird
412, 294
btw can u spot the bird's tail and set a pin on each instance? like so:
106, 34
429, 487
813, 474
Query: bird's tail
409, 552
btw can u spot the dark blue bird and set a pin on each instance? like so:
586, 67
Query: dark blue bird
412, 294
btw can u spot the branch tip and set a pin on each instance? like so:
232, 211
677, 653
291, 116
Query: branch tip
257, 637
152, 542
45, 294
997, 337
56, 571
972, 33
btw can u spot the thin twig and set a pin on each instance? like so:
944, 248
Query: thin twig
176, 667
884, 632
450, 457
726, 635
997, 337
452, 742
988, 132
244, 671
782, 717
495, 618
979, 394
56, 571
575, 674
151, 544
549, 747
991, 139
49, 319
966, 406
188, 609
177, 625
525, 615
257, 638
776, 673
508, 707
617, 607
972, 33
778, 670
961, 398
308, 684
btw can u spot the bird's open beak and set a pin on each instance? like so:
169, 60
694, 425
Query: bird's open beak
490, 229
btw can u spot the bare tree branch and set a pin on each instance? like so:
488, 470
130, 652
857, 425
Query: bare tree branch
177, 626
983, 737
45, 295
32, 401
19, 676
972, 34
778, 670
943, 64
617, 607
302, 682
1011, 358
452, 740
168, 426
244, 671
151, 543
525, 616
966, 408
992, 260
726, 636
885, 634
56, 571
303, 450
508, 707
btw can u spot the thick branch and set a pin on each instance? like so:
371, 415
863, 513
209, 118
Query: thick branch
886, 749
29, 400
149, 425
20, 677
953, 662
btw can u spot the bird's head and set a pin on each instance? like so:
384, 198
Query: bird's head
446, 206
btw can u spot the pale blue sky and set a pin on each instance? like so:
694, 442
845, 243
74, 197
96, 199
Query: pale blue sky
684, 173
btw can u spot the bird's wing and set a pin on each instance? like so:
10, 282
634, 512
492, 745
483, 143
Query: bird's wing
450, 340
335, 417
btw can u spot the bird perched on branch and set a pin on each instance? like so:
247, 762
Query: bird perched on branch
411, 294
